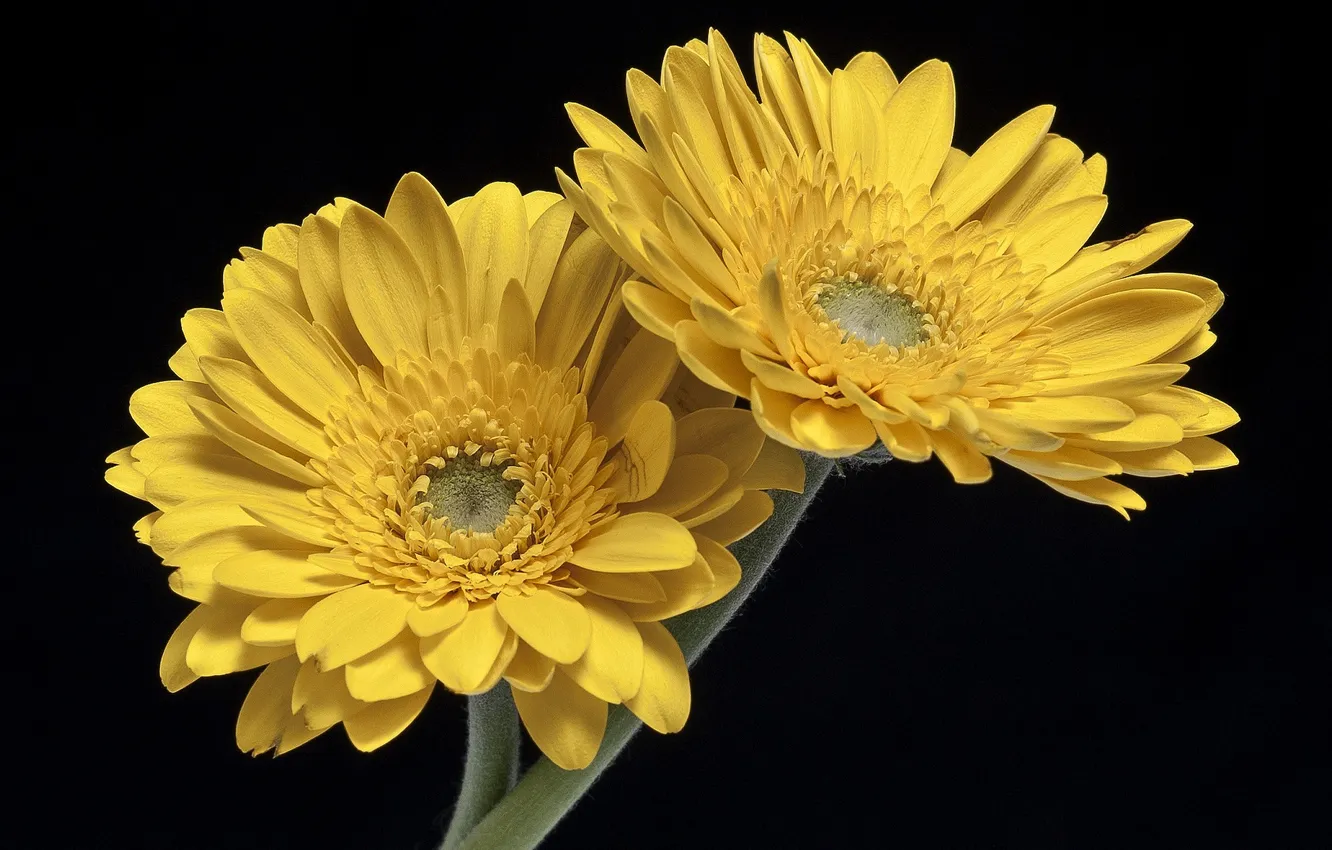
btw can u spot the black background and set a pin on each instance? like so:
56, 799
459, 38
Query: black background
928, 665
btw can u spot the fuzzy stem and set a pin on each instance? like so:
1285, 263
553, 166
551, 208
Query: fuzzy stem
492, 760
547, 793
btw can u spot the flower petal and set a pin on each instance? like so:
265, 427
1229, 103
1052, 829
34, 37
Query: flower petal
279, 574
832, 431
635, 543
462, 656
385, 288
662, 702
551, 622
394, 670
351, 623
267, 707
378, 723
919, 123
612, 667
1123, 329
564, 720
749, 513
493, 232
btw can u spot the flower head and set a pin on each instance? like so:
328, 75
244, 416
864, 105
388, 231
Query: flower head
432, 446
823, 251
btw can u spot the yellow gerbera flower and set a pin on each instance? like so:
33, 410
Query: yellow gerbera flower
432, 446
822, 251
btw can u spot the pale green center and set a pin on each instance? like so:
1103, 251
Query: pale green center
469, 495
869, 313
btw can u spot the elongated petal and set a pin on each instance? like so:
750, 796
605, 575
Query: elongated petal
394, 670
633, 543
381, 722
386, 290
279, 574
553, 623
267, 707
462, 656
564, 720
493, 232
662, 701
919, 120
612, 667
351, 623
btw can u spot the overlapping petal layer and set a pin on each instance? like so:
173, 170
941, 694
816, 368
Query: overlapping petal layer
433, 446
821, 249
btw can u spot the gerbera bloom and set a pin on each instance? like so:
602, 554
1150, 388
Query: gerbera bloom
432, 446
823, 251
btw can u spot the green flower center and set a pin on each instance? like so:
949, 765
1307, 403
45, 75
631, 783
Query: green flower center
471, 496
871, 314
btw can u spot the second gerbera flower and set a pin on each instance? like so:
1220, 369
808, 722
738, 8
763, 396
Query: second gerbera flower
823, 251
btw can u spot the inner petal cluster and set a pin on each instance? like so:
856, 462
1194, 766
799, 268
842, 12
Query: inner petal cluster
465, 476
880, 287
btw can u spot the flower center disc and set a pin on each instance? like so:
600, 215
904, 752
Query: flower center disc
871, 314
469, 495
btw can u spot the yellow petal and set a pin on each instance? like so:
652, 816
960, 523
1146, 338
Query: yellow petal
217, 649
322, 698
1206, 453
782, 378
288, 351
1100, 491
546, 241
185, 365
662, 702
551, 622
1153, 463
773, 411
718, 366
1052, 175
386, 291
351, 623
517, 327
919, 123
127, 480
251, 443
874, 74
995, 163
462, 656
529, 670
963, 460
635, 543
578, 290
163, 408
1123, 329
1126, 382
172, 669
381, 722
493, 232
1084, 413
725, 568
1105, 261
777, 467
420, 216
832, 431
728, 331
440, 617
612, 667
690, 480
779, 85
1147, 431
728, 434
262, 273
647, 451
221, 476
655, 310
641, 373
1052, 236
321, 282
600, 132
907, 441
625, 587
246, 391
1007, 430
274, 622
194, 518
267, 707
279, 574
209, 334
1068, 463
564, 720
394, 670
749, 513
855, 125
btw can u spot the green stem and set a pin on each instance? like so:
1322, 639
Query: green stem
547, 793
492, 760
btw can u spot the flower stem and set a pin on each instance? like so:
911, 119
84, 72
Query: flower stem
492, 760
546, 793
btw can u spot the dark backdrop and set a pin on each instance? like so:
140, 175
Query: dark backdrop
928, 666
